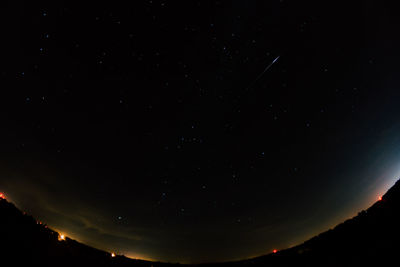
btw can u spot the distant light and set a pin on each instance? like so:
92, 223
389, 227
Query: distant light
61, 237
380, 198
112, 254
274, 251
2, 196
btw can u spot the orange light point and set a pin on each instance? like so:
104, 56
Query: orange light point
2, 196
380, 198
61, 237
274, 251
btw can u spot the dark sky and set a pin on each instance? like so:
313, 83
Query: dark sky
147, 129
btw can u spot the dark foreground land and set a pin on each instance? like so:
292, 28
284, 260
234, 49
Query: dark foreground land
372, 238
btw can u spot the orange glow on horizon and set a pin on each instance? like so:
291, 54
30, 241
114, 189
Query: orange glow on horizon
61, 237
112, 254
380, 198
141, 257
2, 196
274, 251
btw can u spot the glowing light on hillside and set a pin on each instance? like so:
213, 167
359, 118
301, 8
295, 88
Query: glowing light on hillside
112, 254
2, 196
274, 251
380, 198
61, 237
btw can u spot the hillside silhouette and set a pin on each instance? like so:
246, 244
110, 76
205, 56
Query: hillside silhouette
27, 242
372, 238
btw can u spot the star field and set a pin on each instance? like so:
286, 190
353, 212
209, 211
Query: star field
196, 131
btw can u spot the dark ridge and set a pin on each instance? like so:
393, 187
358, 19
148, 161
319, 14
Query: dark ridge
27, 242
369, 239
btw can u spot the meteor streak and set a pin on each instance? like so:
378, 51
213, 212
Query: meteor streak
262, 73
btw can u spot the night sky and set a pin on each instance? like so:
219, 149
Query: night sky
197, 131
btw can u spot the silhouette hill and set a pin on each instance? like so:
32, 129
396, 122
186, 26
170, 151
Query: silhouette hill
369, 239
372, 238
27, 242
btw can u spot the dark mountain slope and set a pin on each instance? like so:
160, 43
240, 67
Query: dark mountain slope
372, 238
26, 242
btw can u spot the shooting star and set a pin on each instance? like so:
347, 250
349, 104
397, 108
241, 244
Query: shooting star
262, 73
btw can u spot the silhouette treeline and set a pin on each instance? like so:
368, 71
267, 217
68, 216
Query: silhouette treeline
27, 242
372, 238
